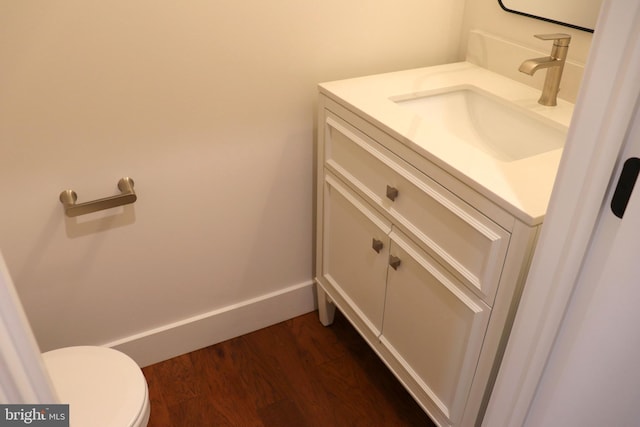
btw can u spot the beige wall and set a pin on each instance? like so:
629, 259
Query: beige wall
208, 105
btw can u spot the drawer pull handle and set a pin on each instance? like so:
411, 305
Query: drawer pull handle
394, 262
377, 245
392, 193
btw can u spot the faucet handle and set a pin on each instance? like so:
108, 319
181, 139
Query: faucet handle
559, 39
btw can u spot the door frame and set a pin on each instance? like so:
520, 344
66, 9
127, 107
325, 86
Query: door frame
603, 114
23, 376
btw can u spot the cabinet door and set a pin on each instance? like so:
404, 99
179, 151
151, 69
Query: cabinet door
432, 325
355, 252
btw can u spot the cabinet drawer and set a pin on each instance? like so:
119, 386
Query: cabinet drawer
471, 245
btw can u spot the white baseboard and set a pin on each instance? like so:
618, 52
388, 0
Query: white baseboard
200, 331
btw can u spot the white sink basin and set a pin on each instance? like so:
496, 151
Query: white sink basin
497, 127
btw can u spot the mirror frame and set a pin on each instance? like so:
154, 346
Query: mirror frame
517, 12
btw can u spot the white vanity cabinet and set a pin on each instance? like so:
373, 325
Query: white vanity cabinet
425, 267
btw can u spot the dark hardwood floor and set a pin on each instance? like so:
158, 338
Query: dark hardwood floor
294, 374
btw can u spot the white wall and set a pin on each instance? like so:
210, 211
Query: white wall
208, 106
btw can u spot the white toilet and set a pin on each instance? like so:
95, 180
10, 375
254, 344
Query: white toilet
103, 387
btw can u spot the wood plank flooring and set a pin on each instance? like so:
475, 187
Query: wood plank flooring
294, 374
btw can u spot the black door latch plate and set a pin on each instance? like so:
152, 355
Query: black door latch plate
626, 182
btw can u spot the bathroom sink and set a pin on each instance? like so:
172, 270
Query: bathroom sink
499, 128
482, 128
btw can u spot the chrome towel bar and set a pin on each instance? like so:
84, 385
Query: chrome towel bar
71, 208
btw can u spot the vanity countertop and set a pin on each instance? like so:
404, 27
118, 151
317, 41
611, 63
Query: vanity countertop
522, 187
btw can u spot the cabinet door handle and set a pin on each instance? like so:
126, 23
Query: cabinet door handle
377, 245
392, 193
394, 262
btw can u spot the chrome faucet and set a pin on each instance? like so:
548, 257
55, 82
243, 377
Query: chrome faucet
554, 63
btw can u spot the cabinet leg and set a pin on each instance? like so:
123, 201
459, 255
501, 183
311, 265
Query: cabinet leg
326, 308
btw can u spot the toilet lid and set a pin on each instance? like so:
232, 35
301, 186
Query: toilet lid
102, 386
